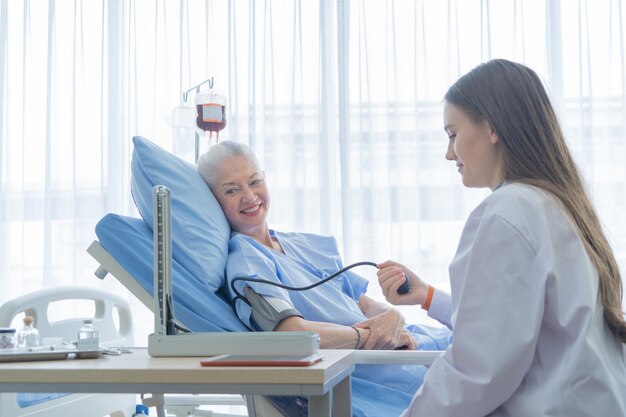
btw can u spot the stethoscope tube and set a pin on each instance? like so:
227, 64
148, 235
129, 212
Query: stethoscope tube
239, 296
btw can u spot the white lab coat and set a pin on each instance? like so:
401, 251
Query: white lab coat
441, 307
529, 335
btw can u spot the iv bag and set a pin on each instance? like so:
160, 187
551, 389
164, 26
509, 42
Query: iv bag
210, 112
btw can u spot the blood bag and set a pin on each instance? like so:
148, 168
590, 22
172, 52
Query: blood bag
210, 112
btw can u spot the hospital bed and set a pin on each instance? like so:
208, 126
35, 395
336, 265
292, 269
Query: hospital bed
194, 308
200, 241
41, 306
200, 235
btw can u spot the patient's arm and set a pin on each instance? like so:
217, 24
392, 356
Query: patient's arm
332, 336
371, 307
386, 326
378, 332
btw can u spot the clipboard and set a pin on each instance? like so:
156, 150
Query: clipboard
262, 360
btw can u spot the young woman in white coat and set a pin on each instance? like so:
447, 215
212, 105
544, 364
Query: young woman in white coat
536, 291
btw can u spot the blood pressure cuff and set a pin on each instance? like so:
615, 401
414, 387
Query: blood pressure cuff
268, 311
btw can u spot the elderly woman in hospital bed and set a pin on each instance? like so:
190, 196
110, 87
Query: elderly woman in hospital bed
338, 310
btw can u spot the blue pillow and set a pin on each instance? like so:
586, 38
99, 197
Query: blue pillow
200, 231
196, 306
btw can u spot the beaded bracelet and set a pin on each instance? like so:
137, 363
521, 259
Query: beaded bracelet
358, 337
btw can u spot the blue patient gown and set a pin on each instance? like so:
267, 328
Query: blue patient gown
377, 390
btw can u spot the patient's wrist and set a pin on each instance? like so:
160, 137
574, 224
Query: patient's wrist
364, 335
357, 344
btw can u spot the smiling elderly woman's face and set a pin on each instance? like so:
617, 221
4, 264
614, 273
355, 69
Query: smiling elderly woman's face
241, 191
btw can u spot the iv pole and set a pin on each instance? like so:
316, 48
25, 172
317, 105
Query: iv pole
185, 97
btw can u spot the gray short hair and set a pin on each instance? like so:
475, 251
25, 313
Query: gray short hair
209, 162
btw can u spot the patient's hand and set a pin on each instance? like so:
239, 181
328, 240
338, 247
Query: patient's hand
387, 331
407, 341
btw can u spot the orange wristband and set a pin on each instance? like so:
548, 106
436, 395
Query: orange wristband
429, 298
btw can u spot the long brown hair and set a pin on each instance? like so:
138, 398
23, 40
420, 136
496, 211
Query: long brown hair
512, 99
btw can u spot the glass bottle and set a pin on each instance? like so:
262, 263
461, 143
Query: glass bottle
28, 336
87, 336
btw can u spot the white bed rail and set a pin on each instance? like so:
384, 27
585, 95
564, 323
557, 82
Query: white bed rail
396, 357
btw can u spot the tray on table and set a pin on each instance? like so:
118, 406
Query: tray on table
46, 353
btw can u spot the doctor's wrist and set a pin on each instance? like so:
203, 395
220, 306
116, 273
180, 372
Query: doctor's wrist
421, 293
429, 297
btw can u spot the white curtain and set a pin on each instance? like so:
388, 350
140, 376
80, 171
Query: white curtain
340, 99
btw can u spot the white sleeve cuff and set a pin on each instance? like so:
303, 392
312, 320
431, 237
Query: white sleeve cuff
441, 307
